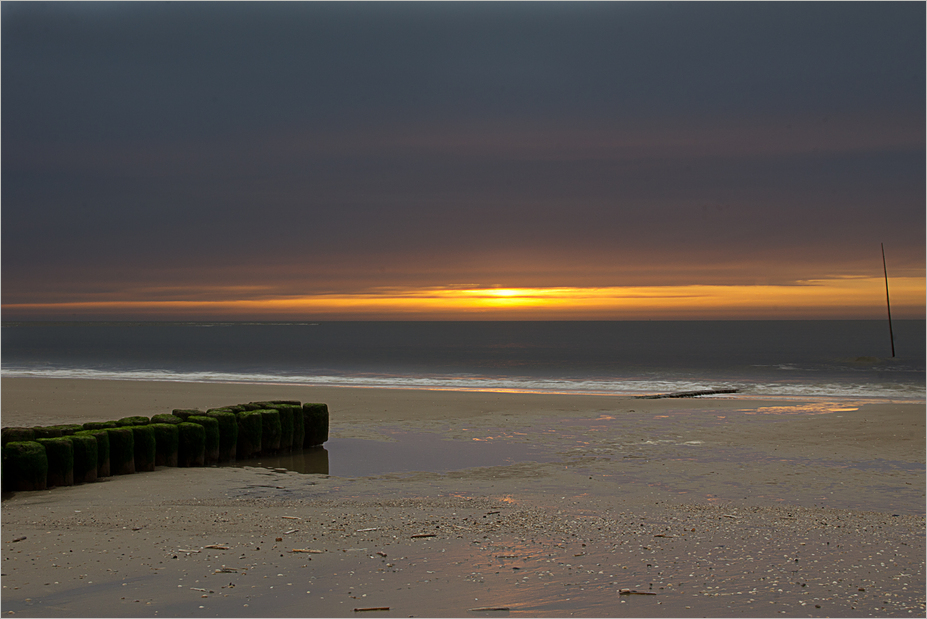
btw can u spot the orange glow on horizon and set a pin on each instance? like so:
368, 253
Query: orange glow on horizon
832, 298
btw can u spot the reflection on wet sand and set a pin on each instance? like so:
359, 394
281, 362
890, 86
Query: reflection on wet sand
312, 460
407, 452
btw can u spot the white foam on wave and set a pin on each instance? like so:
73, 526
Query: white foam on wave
597, 386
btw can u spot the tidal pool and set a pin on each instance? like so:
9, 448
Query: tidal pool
407, 452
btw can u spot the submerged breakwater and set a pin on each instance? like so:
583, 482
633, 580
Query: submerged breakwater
46, 456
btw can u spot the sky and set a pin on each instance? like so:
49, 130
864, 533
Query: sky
588, 161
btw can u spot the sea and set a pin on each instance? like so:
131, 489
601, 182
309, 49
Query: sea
803, 359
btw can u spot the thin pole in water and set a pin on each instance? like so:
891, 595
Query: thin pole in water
887, 303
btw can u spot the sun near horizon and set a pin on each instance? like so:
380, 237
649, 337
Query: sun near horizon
849, 298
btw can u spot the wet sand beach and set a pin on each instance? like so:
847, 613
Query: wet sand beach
558, 505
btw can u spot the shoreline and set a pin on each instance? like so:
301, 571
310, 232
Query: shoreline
745, 389
695, 500
18, 390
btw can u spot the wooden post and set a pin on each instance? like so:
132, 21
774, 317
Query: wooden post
887, 303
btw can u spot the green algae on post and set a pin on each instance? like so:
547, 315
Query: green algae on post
288, 402
185, 413
191, 449
271, 431
85, 457
60, 452
286, 426
69, 428
228, 432
18, 435
25, 466
121, 450
316, 421
135, 420
299, 423
47, 432
286, 413
100, 425
145, 448
167, 442
166, 418
261, 405
211, 444
102, 439
250, 434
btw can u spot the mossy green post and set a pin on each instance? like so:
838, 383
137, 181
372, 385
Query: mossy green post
60, 452
25, 466
299, 423
250, 434
211, 425
270, 431
135, 420
286, 426
191, 448
47, 432
100, 425
85, 457
184, 413
228, 432
299, 426
18, 435
315, 417
102, 439
69, 428
166, 418
121, 450
167, 442
145, 448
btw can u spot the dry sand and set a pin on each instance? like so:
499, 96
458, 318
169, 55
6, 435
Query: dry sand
716, 506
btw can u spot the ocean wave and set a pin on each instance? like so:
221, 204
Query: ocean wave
591, 386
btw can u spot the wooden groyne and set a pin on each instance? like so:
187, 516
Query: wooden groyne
46, 456
686, 394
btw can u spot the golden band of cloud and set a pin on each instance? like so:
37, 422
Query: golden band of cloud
833, 298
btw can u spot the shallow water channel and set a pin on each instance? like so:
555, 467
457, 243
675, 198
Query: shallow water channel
407, 452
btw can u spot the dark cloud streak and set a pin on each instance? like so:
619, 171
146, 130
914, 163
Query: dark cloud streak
150, 70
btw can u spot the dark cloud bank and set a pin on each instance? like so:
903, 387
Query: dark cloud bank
322, 146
